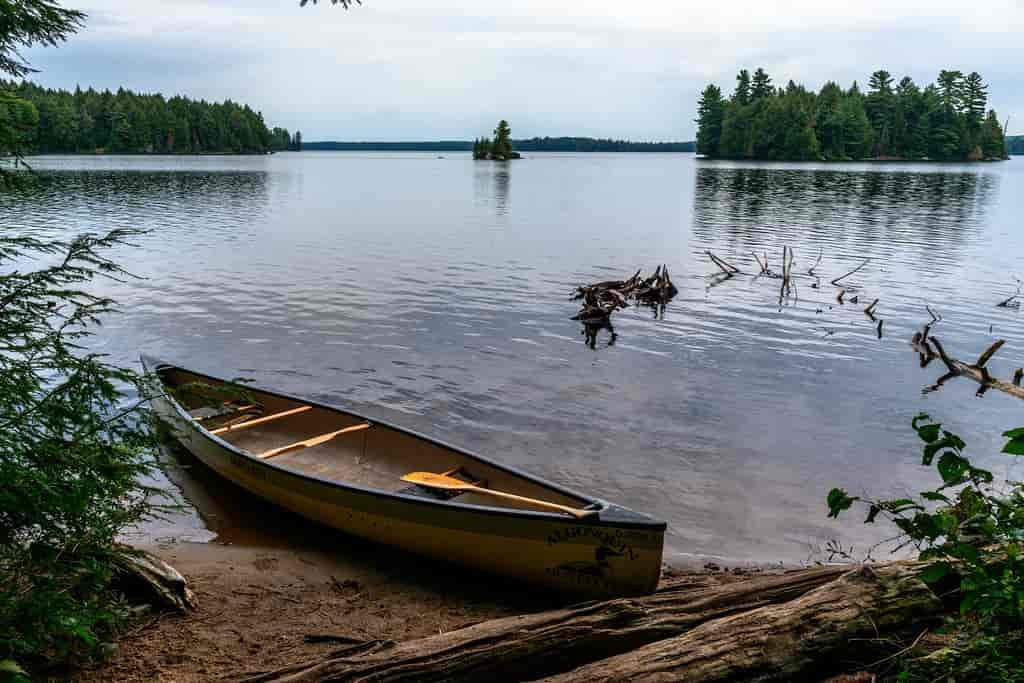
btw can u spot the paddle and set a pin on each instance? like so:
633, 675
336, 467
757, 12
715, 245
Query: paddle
442, 481
315, 441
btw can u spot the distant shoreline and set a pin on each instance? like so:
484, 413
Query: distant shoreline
562, 144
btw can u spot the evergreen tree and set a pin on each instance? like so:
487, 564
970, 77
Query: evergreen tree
742, 94
762, 85
879, 105
502, 146
992, 140
710, 115
975, 98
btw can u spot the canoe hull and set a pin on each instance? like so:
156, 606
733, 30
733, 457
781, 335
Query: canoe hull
589, 557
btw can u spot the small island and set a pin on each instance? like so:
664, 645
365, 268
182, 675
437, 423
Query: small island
944, 121
498, 149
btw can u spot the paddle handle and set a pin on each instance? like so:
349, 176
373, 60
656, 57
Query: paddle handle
578, 514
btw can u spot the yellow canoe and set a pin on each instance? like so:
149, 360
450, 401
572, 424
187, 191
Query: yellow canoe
344, 470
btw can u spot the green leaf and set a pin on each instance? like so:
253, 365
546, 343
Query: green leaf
952, 468
839, 500
9, 666
1014, 446
1017, 433
935, 572
929, 433
920, 417
936, 496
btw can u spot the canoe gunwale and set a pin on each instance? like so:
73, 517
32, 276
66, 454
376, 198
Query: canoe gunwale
630, 520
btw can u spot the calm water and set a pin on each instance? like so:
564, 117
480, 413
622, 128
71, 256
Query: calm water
434, 292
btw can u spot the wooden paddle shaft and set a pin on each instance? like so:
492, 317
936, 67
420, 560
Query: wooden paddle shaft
449, 483
579, 514
315, 441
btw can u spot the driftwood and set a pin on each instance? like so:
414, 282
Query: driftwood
785, 623
1013, 301
602, 299
145, 575
929, 348
536, 645
787, 642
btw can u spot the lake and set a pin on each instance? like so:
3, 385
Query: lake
434, 291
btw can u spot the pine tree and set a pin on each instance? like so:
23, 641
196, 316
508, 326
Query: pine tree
762, 85
710, 115
975, 98
742, 94
502, 146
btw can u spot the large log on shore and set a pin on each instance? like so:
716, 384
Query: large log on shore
806, 639
537, 645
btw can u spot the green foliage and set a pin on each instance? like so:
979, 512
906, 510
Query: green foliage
502, 145
944, 122
971, 657
29, 23
500, 148
87, 121
710, 115
967, 525
72, 451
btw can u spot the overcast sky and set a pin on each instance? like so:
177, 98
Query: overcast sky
448, 69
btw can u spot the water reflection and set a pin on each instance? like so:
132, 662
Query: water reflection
871, 206
492, 183
408, 287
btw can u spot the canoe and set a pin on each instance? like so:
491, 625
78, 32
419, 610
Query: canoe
344, 470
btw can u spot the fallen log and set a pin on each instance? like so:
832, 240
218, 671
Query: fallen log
851, 616
146, 575
536, 645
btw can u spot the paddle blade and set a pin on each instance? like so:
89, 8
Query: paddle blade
435, 481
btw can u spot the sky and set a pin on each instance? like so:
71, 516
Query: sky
449, 69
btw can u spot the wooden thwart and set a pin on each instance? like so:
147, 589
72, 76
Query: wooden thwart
447, 483
315, 441
261, 420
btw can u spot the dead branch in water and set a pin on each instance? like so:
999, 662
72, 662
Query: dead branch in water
810, 271
1012, 302
929, 348
843, 277
870, 310
726, 267
602, 299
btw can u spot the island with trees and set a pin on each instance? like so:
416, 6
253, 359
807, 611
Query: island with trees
1015, 144
124, 122
944, 121
498, 149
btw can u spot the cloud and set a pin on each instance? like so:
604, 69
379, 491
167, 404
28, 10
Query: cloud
448, 68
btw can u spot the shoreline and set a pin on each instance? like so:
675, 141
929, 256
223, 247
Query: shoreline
261, 608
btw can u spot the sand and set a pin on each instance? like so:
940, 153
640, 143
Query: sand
259, 606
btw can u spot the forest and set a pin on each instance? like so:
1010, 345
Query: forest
944, 121
1015, 144
125, 122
